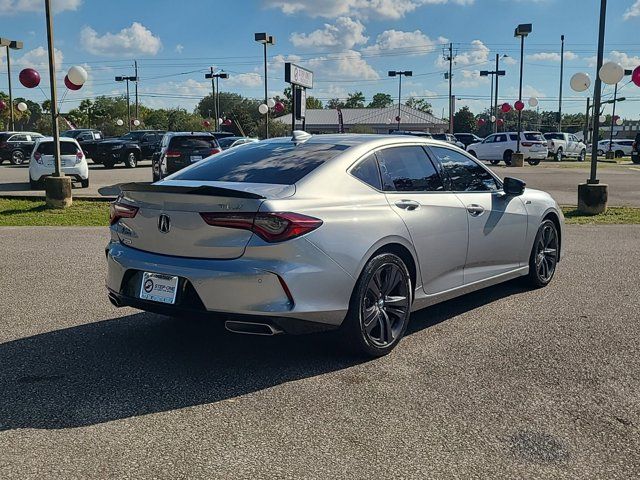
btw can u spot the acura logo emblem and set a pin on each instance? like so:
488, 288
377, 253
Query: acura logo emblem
164, 223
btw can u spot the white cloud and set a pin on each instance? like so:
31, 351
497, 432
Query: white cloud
245, 80
476, 55
345, 65
632, 11
38, 58
179, 48
551, 56
393, 9
627, 61
416, 42
188, 88
345, 33
511, 94
9, 7
468, 79
134, 40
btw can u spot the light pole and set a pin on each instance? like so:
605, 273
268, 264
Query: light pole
13, 45
493, 108
127, 79
399, 74
613, 113
265, 39
522, 31
561, 75
215, 87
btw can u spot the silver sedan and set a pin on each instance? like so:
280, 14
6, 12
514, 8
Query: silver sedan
318, 232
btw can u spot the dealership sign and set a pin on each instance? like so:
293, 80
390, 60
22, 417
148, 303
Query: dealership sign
297, 75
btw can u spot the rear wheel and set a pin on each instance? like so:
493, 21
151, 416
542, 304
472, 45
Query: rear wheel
17, 157
131, 160
109, 163
544, 255
559, 155
507, 157
600, 152
619, 154
494, 162
533, 161
84, 183
635, 159
380, 307
582, 156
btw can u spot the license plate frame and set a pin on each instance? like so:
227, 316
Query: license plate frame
196, 158
159, 288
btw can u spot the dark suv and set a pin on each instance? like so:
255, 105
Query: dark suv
17, 146
128, 149
635, 149
181, 149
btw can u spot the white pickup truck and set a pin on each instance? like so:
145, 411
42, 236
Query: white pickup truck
562, 145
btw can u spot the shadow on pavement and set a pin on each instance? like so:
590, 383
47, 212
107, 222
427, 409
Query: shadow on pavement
144, 363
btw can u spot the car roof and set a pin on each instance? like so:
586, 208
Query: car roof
190, 134
62, 139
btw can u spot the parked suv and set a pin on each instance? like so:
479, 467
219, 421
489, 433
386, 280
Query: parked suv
128, 149
620, 147
467, 138
17, 146
501, 146
181, 149
447, 137
562, 145
88, 139
73, 161
635, 149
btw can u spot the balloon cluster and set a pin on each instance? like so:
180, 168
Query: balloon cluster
73, 80
271, 103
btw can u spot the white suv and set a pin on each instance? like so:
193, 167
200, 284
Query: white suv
500, 146
621, 147
73, 161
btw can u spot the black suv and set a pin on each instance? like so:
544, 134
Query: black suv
88, 138
181, 149
17, 146
635, 150
467, 138
129, 148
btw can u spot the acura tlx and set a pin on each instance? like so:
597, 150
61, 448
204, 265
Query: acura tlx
319, 232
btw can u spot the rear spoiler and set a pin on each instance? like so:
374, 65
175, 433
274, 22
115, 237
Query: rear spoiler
188, 190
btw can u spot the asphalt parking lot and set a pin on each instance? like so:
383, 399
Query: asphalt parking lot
560, 181
504, 383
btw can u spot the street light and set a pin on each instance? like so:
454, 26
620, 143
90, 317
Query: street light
265, 39
127, 79
522, 31
13, 45
610, 154
399, 74
216, 91
493, 106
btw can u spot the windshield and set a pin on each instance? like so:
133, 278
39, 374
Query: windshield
554, 136
71, 133
226, 142
534, 136
133, 135
277, 163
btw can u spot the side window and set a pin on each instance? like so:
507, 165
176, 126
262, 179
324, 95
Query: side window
501, 138
18, 138
489, 139
408, 169
513, 137
465, 174
84, 136
367, 171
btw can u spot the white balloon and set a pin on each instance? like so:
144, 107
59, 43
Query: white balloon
271, 103
119, 122
533, 102
611, 73
220, 121
136, 123
602, 118
492, 118
22, 107
263, 109
77, 75
619, 121
580, 82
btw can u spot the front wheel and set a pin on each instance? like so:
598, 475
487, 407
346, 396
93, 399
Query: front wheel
533, 161
582, 156
109, 163
379, 308
494, 162
619, 154
544, 255
559, 155
17, 157
131, 160
84, 183
507, 157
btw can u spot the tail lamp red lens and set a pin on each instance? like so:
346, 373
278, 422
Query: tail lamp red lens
526, 144
119, 210
37, 157
213, 151
172, 154
271, 227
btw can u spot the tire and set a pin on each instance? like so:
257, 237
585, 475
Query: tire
635, 159
374, 327
109, 163
533, 162
17, 157
494, 162
84, 183
582, 156
34, 184
544, 255
600, 152
558, 155
473, 153
131, 160
619, 154
507, 157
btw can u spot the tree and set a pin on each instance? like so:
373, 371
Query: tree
464, 120
335, 103
355, 100
419, 104
313, 103
381, 100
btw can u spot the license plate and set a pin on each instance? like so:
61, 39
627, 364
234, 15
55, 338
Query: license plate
159, 288
196, 158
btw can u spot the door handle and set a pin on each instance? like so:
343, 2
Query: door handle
407, 204
475, 210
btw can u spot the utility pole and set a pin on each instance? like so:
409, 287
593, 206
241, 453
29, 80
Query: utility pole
399, 74
450, 58
13, 45
215, 101
215, 88
561, 76
586, 123
135, 64
493, 108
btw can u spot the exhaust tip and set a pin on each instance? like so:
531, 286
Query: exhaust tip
251, 328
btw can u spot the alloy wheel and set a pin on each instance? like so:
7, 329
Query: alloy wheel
17, 157
546, 256
385, 306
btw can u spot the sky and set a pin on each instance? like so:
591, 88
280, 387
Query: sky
349, 44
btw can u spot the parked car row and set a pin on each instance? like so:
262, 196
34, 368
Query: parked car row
501, 147
620, 147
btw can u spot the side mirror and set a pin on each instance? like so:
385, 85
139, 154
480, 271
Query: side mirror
513, 186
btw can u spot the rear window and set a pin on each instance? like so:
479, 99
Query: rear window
226, 142
66, 148
554, 136
193, 143
263, 162
534, 136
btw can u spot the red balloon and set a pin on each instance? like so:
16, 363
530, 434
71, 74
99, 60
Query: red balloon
29, 78
3, 105
71, 86
635, 76
500, 122
519, 105
206, 123
481, 122
227, 122
279, 107
505, 107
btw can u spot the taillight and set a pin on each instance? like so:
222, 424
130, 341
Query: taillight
634, 145
119, 210
38, 157
79, 156
526, 144
172, 154
213, 151
271, 227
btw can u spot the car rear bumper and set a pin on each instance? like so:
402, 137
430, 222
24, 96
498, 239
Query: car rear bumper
39, 172
316, 291
540, 155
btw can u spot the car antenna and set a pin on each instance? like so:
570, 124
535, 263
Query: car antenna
300, 136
